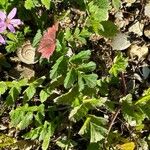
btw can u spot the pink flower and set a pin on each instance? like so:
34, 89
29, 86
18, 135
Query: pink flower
2, 40
7, 21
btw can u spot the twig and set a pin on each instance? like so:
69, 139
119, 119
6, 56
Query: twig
124, 87
124, 91
113, 120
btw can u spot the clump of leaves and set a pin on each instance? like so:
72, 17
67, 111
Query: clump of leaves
71, 103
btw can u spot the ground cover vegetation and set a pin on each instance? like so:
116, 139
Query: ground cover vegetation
74, 74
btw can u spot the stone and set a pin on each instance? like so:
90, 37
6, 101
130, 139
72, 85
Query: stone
120, 42
147, 31
147, 10
140, 52
137, 28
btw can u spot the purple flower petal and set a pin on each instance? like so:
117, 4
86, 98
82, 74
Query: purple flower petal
2, 16
12, 13
15, 22
2, 26
11, 28
2, 41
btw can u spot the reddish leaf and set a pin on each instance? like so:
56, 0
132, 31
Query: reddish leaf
48, 42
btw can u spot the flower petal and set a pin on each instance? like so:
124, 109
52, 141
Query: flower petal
12, 13
16, 22
2, 41
2, 16
11, 28
2, 26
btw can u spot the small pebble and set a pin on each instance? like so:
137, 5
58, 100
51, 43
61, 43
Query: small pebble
120, 42
147, 31
140, 52
147, 10
137, 28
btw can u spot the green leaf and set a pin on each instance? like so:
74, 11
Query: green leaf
80, 82
87, 67
70, 78
96, 127
44, 131
97, 133
98, 120
80, 57
55, 83
84, 129
99, 9
27, 30
33, 134
11, 36
29, 4
46, 3
38, 82
120, 64
26, 120
6, 141
22, 116
131, 112
16, 116
49, 133
109, 29
44, 95
29, 92
3, 2
90, 80
98, 12
145, 98
13, 94
85, 33
37, 38
103, 4
59, 68
3, 87
116, 4
68, 34
94, 146
68, 97
80, 111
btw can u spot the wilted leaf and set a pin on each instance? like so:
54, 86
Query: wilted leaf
127, 146
48, 42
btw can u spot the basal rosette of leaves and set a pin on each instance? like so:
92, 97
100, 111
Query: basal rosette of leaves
68, 104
